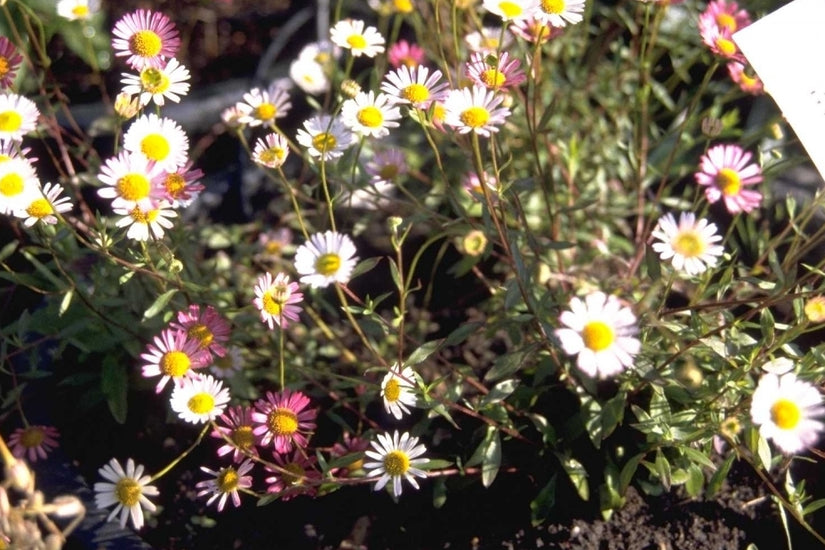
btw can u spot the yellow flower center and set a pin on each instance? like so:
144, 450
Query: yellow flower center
242, 437
39, 208
396, 463
143, 216
11, 185
785, 414
388, 172
598, 335
202, 334
294, 473
356, 42
4, 158
726, 21
324, 141
282, 421
127, 491
155, 147
145, 43
726, 47
271, 304
510, 9
32, 437
553, 6
493, 78
728, 181
475, 117
133, 187
174, 184
81, 12
403, 6
416, 93
201, 403
4, 66
371, 117
154, 80
392, 390
10, 121
266, 111
227, 480
273, 155
174, 363
688, 244
328, 264
815, 309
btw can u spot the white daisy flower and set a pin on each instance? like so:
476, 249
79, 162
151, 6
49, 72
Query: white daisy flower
261, 107
487, 40
128, 178
19, 185
785, 408
18, 117
75, 10
146, 219
558, 13
277, 298
44, 207
386, 166
325, 138
689, 244
199, 399
396, 459
270, 151
476, 110
225, 484
128, 489
415, 86
310, 76
601, 332
368, 114
158, 83
397, 391
512, 10
325, 259
353, 35
158, 139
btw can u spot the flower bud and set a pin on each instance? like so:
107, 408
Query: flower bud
350, 88
474, 243
126, 106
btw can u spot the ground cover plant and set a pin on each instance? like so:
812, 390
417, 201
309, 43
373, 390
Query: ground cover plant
462, 241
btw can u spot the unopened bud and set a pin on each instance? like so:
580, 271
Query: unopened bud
126, 106
711, 126
350, 88
474, 243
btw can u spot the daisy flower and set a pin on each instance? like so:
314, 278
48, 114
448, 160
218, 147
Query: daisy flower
276, 299
77, 10
146, 220
558, 13
172, 356
33, 442
270, 151
386, 166
601, 332
158, 139
299, 478
724, 15
310, 70
475, 110
126, 107
471, 183
128, 489
283, 420
415, 86
327, 258
785, 409
236, 425
512, 10
199, 400
19, 185
204, 325
396, 459
351, 445
225, 484
815, 309
44, 207
504, 72
178, 187
404, 53
145, 38
9, 62
690, 244
128, 179
158, 83
750, 84
325, 138
397, 390
274, 241
228, 364
18, 116
720, 42
726, 173
368, 114
353, 35
488, 40
261, 107
535, 29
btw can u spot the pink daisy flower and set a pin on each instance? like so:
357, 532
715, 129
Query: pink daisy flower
417, 86
747, 83
725, 172
351, 445
486, 70
404, 53
301, 478
236, 424
9, 62
386, 166
148, 39
179, 187
276, 299
284, 420
720, 42
33, 442
225, 483
535, 30
204, 325
724, 15
173, 355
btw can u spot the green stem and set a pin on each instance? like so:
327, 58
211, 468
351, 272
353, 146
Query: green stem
183, 455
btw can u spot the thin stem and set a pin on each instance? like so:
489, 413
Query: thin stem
183, 455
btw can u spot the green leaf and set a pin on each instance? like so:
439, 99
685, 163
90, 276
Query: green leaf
488, 454
7, 250
65, 302
499, 392
812, 507
628, 471
613, 413
365, 266
542, 506
421, 354
763, 450
699, 457
662, 467
113, 384
439, 492
461, 333
506, 365
718, 477
159, 303
695, 481
578, 477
